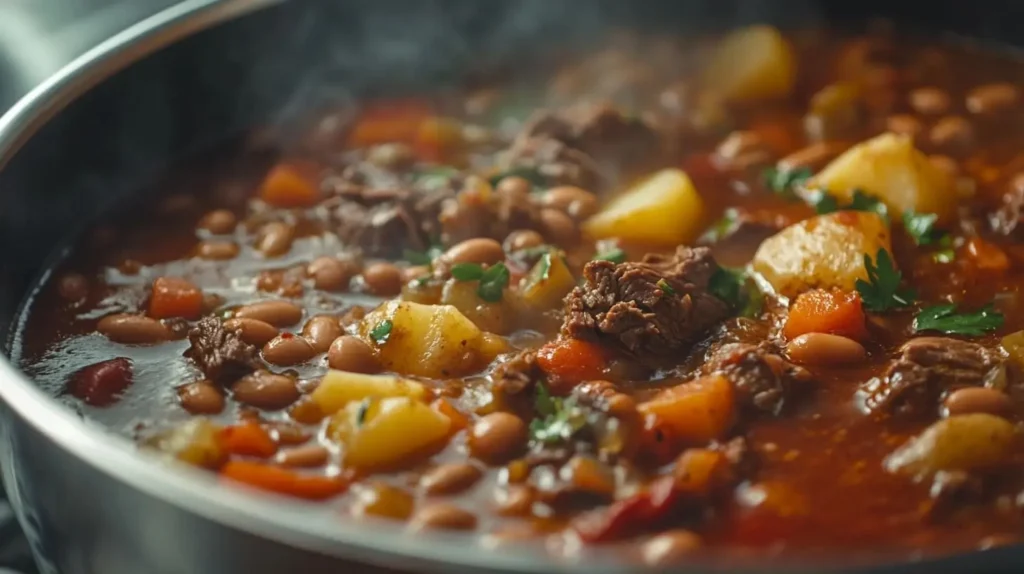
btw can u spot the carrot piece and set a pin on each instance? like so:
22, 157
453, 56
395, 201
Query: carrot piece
700, 471
446, 408
289, 185
572, 360
283, 481
986, 256
696, 412
435, 137
248, 439
175, 297
389, 121
820, 311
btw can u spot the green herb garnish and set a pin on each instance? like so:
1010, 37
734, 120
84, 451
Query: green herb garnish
882, 290
946, 319
528, 173
435, 176
783, 181
364, 407
493, 282
664, 286
824, 202
869, 203
558, 419
724, 227
382, 331
422, 257
467, 271
541, 270
614, 255
737, 289
921, 227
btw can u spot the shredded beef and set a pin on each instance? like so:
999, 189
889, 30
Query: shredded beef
518, 374
585, 145
219, 353
764, 380
926, 367
626, 305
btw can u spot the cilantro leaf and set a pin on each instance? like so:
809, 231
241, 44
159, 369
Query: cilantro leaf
493, 282
664, 286
382, 331
783, 181
921, 227
882, 290
824, 202
869, 203
736, 288
559, 419
724, 227
467, 271
614, 255
946, 319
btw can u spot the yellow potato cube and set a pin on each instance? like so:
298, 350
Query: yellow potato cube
664, 209
751, 64
339, 388
382, 433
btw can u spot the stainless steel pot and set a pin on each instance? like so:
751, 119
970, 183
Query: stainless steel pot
85, 139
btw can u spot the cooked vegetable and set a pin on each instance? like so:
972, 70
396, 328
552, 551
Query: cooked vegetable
889, 168
572, 360
175, 297
986, 256
827, 251
724, 227
1013, 344
784, 182
389, 121
464, 296
548, 282
735, 287
696, 412
426, 340
558, 419
663, 209
386, 431
196, 442
883, 290
290, 186
821, 311
700, 471
921, 227
751, 64
248, 439
962, 442
491, 281
861, 201
381, 331
615, 255
284, 481
946, 319
339, 388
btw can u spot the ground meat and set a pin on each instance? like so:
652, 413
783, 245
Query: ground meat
586, 145
926, 367
653, 309
219, 353
764, 380
517, 374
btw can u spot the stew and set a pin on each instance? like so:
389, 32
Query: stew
758, 292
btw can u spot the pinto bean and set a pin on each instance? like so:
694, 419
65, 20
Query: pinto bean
450, 478
383, 279
443, 516
275, 238
558, 227
218, 221
514, 185
670, 547
813, 157
133, 329
522, 239
952, 132
497, 437
321, 331
992, 98
970, 400
515, 500
330, 274
288, 349
481, 250
306, 456
265, 390
252, 331
348, 353
824, 349
201, 398
575, 202
276, 313
904, 124
217, 250
930, 101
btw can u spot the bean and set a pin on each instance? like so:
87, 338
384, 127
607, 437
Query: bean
575, 202
330, 274
276, 313
497, 437
288, 433
929, 101
670, 547
824, 349
218, 221
288, 349
444, 516
558, 227
306, 456
992, 98
73, 287
481, 250
813, 157
977, 400
952, 132
348, 353
218, 250
201, 398
265, 390
391, 155
133, 329
450, 478
904, 124
589, 475
101, 384
383, 279
381, 499
415, 272
515, 500
321, 331
946, 164
275, 238
252, 331
522, 239
306, 411
514, 185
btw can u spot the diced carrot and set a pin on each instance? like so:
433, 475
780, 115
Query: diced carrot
700, 471
445, 407
436, 137
248, 439
696, 412
175, 297
986, 256
657, 441
820, 311
389, 121
284, 481
572, 360
290, 185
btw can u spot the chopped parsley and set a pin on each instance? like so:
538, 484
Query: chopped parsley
946, 319
422, 257
382, 331
467, 271
921, 227
541, 270
724, 227
869, 203
493, 283
824, 202
557, 419
614, 255
784, 181
736, 288
882, 290
435, 176
664, 286
947, 254
528, 173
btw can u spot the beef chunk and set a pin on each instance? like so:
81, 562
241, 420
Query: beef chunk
518, 374
926, 367
219, 353
586, 145
653, 309
764, 380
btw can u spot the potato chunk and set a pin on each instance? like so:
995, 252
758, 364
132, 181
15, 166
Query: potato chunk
890, 168
339, 388
962, 442
826, 251
663, 209
751, 64
425, 340
382, 433
548, 282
